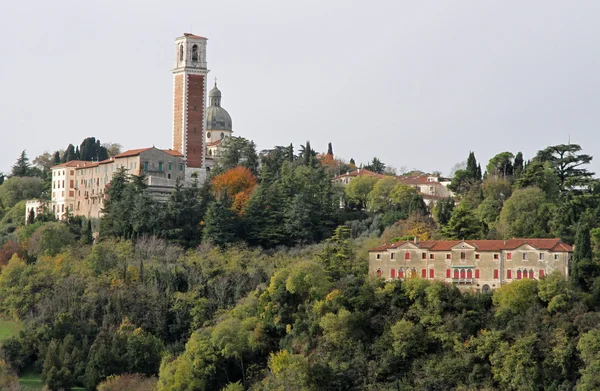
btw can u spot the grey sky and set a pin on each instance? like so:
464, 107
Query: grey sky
417, 83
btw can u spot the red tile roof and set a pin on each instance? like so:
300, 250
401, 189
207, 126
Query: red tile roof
554, 244
360, 172
420, 180
193, 36
72, 163
135, 152
213, 143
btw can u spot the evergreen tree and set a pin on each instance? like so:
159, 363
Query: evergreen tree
221, 223
1, 178
31, 216
307, 154
330, 149
567, 163
376, 165
443, 210
77, 153
478, 175
87, 235
472, 167
69, 154
584, 270
22, 166
290, 153
518, 165
56, 160
352, 162
463, 224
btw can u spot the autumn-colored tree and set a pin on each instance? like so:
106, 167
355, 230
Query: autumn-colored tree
237, 184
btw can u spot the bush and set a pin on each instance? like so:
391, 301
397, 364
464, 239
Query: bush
128, 382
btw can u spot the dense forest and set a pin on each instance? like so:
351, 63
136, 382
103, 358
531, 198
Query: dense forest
257, 280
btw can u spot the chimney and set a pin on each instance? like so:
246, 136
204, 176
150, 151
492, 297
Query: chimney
416, 240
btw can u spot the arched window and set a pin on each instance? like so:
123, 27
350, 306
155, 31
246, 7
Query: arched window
400, 273
518, 274
208, 134
210, 152
195, 53
456, 274
222, 136
525, 273
393, 273
180, 52
541, 273
531, 274
462, 273
469, 274
413, 272
378, 272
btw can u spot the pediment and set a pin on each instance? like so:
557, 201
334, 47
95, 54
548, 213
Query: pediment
525, 247
463, 246
406, 246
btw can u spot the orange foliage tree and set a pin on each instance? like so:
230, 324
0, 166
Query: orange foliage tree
237, 183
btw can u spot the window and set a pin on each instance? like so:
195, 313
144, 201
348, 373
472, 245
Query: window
541, 273
160, 166
378, 256
407, 256
462, 274
477, 256
378, 272
469, 274
477, 273
431, 273
170, 166
180, 52
456, 274
208, 134
509, 274
525, 257
509, 256
448, 256
181, 167
531, 274
424, 256
496, 256
519, 274
413, 272
146, 166
393, 256
495, 274
168, 176
401, 273
195, 53
431, 256
393, 273
541, 256
62, 207
222, 136
423, 273
556, 257
463, 255
448, 273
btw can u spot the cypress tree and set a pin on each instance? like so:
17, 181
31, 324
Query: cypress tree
77, 153
56, 158
69, 154
518, 165
290, 153
583, 270
472, 166
352, 161
478, 176
329, 149
31, 216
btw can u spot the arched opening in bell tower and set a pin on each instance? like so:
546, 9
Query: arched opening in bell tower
195, 53
180, 52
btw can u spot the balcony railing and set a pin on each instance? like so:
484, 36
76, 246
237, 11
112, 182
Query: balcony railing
463, 281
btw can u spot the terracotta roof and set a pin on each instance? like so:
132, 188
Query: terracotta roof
214, 143
554, 244
193, 36
72, 163
135, 152
360, 172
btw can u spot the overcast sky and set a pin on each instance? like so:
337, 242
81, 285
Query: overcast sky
415, 83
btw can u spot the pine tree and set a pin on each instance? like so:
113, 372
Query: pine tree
22, 166
584, 271
221, 223
472, 166
31, 216
329, 150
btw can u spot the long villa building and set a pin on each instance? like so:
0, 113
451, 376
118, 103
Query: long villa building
478, 265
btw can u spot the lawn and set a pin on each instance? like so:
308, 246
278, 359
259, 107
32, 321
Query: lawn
30, 380
8, 329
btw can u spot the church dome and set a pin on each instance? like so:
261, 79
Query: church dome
217, 118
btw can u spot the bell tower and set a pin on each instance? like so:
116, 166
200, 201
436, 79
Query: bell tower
189, 95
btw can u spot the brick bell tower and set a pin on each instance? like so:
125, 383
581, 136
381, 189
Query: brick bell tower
189, 97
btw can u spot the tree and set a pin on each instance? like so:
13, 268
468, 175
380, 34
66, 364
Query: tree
56, 160
352, 162
518, 165
69, 154
329, 149
44, 161
31, 216
50, 239
238, 151
541, 175
22, 167
221, 223
567, 163
18, 188
463, 223
443, 210
501, 165
584, 270
526, 214
358, 190
112, 148
379, 199
588, 347
472, 167
376, 165
236, 184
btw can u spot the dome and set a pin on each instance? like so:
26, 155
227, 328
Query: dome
217, 118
